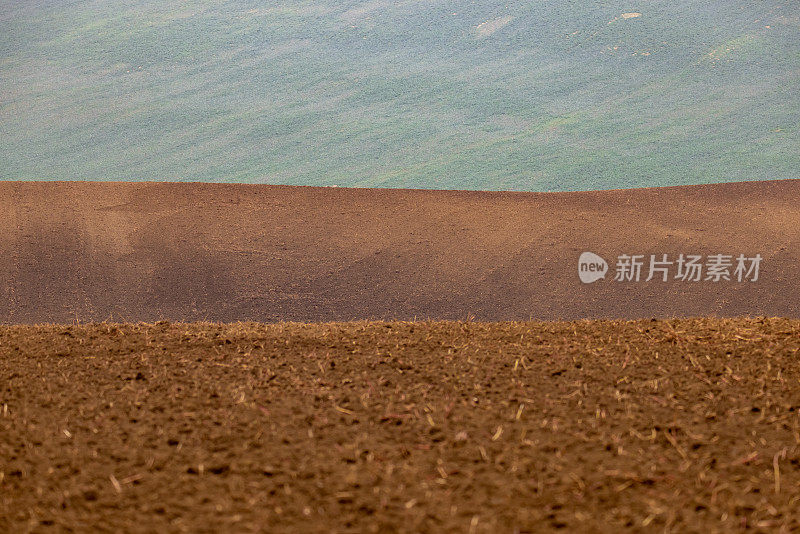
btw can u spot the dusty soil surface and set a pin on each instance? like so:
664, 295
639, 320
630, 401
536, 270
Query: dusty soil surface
678, 425
189, 252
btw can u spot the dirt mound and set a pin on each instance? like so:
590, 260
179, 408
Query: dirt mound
683, 425
147, 251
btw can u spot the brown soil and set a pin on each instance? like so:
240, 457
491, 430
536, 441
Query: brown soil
683, 425
188, 252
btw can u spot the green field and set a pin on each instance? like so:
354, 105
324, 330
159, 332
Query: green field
534, 96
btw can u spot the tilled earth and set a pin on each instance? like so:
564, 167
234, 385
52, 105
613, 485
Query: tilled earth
678, 425
131, 252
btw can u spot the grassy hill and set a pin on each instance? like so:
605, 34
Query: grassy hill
489, 95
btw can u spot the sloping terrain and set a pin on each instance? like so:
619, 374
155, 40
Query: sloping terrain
592, 426
145, 252
446, 94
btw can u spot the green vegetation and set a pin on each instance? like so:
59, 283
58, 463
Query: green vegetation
543, 96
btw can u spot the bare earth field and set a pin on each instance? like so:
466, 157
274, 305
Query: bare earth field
595, 426
171, 415
219, 252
